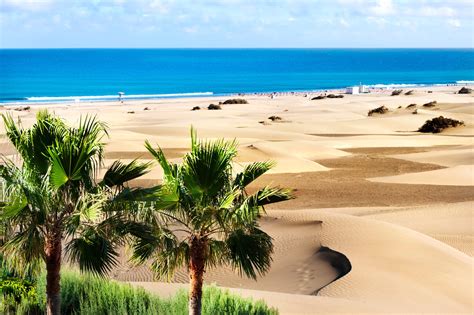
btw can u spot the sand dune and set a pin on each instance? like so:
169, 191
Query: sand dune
450, 223
396, 203
393, 268
392, 265
461, 175
459, 155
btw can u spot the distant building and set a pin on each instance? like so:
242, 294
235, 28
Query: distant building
352, 90
363, 89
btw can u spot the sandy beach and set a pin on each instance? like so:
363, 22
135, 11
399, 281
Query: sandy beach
383, 219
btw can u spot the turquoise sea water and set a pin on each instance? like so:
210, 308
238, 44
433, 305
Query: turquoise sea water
49, 75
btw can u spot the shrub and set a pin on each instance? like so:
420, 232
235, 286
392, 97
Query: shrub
430, 104
87, 294
236, 101
411, 106
196, 108
275, 118
410, 92
465, 90
214, 107
396, 92
415, 112
378, 110
335, 96
319, 97
438, 124
21, 109
17, 288
18, 296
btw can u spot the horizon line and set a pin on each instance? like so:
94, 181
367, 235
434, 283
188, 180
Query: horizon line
229, 48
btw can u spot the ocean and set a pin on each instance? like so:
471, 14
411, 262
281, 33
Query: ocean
54, 75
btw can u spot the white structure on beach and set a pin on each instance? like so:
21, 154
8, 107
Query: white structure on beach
352, 90
357, 89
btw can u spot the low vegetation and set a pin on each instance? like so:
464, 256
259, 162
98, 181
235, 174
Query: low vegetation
396, 92
411, 106
465, 90
275, 118
23, 108
438, 124
410, 92
335, 96
196, 108
319, 97
236, 101
379, 110
430, 104
214, 107
87, 294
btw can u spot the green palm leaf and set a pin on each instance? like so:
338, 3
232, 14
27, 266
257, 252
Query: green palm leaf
250, 251
251, 172
119, 173
92, 252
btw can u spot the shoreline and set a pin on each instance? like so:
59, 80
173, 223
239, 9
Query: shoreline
103, 99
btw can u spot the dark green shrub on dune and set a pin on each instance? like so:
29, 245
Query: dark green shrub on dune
214, 107
438, 124
236, 101
378, 110
465, 90
430, 104
396, 92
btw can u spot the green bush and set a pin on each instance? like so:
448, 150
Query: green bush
87, 294
438, 124
18, 296
378, 110
236, 101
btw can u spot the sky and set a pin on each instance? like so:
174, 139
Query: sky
236, 23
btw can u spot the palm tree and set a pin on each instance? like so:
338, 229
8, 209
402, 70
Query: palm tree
54, 202
203, 216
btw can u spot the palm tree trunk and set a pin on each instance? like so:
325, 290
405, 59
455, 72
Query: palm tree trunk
53, 274
196, 275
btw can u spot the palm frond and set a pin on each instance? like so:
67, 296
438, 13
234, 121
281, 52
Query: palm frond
250, 251
92, 252
269, 195
169, 169
207, 169
169, 260
119, 173
251, 172
164, 250
217, 253
25, 248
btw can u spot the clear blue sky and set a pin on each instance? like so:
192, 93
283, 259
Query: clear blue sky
236, 23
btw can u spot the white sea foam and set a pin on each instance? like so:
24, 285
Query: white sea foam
111, 97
